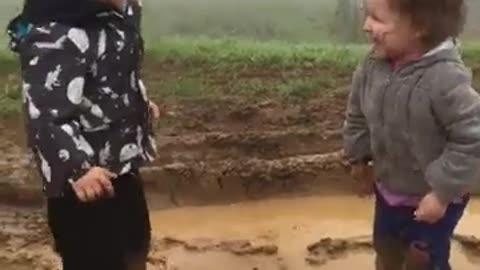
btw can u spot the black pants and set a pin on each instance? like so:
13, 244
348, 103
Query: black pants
101, 235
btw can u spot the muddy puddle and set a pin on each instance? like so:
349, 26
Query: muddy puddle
320, 232
291, 225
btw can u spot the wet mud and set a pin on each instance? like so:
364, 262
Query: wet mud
327, 232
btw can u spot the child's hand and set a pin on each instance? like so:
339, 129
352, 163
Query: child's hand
364, 176
431, 209
154, 109
95, 184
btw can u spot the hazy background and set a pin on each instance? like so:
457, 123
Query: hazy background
290, 20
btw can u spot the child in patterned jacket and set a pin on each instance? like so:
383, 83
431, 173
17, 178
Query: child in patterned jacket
89, 126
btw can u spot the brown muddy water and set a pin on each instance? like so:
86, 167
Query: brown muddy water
302, 233
291, 225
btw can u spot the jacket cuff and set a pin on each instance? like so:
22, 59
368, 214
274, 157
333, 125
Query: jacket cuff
440, 185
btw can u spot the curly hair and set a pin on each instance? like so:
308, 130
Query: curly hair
437, 19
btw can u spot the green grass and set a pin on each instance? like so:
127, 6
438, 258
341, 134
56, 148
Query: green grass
182, 87
303, 89
219, 54
314, 68
241, 51
229, 51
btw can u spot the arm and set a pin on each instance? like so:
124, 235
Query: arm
457, 108
53, 68
356, 137
134, 10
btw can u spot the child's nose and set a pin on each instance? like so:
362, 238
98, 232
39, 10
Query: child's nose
367, 25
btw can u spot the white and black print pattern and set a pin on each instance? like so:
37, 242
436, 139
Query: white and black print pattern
85, 102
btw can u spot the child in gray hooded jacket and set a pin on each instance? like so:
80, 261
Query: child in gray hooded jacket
412, 130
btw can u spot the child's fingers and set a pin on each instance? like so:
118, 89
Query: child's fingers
81, 195
155, 110
98, 189
109, 174
423, 216
90, 194
107, 186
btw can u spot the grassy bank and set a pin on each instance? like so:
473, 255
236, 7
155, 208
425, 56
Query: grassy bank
189, 67
238, 51
186, 67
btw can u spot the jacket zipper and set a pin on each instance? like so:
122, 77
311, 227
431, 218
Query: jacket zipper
384, 91
388, 82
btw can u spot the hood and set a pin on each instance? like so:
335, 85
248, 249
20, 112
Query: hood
71, 12
448, 44
77, 13
447, 51
17, 29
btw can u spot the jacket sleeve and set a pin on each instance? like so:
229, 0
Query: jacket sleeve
135, 11
356, 137
457, 108
54, 65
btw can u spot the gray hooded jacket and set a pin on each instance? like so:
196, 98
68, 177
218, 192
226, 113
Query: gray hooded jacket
420, 124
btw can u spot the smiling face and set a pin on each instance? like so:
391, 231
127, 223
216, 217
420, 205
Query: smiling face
392, 35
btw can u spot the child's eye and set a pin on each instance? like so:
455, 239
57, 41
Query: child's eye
375, 17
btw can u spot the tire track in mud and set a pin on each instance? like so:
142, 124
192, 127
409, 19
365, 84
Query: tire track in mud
236, 247
260, 144
246, 178
233, 114
242, 163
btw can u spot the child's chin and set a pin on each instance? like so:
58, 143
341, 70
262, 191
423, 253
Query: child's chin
379, 52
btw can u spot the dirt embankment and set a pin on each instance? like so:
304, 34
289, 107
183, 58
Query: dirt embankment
216, 150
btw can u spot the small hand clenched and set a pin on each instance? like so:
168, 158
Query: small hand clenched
94, 185
431, 209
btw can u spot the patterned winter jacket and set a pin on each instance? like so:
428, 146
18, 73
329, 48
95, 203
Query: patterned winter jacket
85, 102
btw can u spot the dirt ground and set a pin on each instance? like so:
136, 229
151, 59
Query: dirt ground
239, 184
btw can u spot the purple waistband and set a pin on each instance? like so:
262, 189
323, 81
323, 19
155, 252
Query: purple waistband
396, 199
